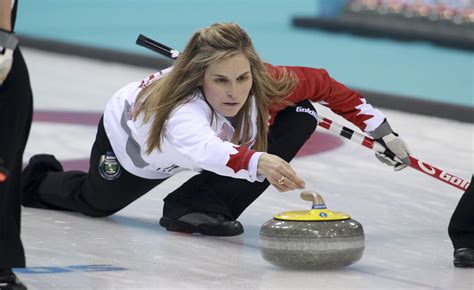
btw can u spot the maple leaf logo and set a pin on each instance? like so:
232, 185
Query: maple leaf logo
240, 159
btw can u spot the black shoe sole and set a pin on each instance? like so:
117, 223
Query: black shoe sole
204, 229
463, 264
39, 165
177, 226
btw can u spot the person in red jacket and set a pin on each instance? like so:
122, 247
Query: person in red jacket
219, 110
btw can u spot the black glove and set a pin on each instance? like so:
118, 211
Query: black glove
396, 151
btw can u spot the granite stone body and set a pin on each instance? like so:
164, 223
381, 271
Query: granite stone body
312, 244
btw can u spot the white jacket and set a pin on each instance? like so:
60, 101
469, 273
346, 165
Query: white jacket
192, 139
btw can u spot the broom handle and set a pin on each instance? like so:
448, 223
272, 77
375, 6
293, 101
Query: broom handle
370, 143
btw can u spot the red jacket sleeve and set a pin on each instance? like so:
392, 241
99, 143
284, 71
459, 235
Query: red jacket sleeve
316, 85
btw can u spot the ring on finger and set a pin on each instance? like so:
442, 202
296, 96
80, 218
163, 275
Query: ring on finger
281, 181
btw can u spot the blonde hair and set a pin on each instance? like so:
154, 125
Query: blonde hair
207, 46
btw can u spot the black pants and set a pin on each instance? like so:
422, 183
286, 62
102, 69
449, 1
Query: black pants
88, 192
461, 226
16, 107
93, 195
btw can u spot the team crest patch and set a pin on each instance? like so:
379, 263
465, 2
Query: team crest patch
109, 168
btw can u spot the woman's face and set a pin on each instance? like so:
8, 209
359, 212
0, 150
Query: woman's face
227, 83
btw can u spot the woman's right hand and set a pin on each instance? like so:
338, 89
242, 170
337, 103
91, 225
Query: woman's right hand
279, 173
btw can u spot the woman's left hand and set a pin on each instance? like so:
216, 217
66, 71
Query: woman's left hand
396, 152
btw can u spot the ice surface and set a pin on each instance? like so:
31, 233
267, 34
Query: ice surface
405, 214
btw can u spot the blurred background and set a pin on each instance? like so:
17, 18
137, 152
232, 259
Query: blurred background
415, 73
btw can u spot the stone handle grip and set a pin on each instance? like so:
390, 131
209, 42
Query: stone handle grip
314, 197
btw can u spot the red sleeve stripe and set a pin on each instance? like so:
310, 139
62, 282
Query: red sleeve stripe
240, 160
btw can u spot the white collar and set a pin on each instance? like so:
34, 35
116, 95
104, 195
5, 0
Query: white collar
220, 123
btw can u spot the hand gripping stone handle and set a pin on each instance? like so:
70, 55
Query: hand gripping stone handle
334, 127
368, 142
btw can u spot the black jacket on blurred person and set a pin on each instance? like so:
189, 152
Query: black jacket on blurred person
461, 229
16, 107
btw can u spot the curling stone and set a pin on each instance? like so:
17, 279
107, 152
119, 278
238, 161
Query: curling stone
312, 239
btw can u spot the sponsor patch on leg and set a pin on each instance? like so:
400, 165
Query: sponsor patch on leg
109, 167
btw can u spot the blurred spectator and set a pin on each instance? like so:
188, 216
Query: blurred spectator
331, 8
16, 107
